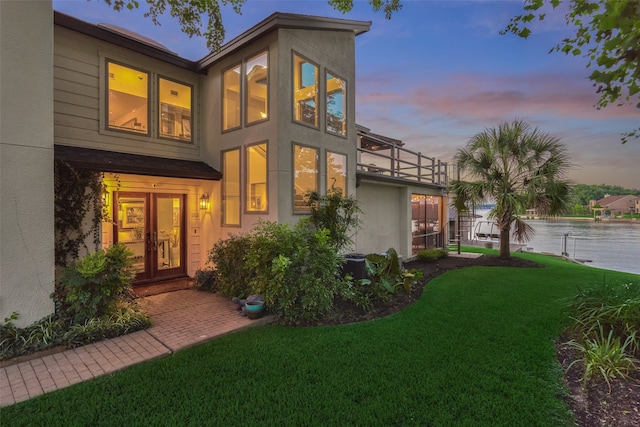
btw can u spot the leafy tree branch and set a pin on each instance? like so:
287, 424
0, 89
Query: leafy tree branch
607, 33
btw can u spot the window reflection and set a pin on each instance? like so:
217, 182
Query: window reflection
337, 172
305, 91
305, 175
175, 110
231, 98
127, 102
256, 170
257, 82
231, 187
336, 105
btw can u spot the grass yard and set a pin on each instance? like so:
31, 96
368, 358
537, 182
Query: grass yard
475, 350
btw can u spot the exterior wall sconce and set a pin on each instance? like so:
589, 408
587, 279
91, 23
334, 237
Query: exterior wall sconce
205, 204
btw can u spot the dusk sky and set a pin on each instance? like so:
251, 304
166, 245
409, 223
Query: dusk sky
439, 72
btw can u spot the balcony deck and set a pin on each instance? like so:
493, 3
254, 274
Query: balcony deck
380, 158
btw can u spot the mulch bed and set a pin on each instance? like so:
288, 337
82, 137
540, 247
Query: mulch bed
597, 404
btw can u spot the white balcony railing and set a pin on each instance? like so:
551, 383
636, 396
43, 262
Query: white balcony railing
393, 161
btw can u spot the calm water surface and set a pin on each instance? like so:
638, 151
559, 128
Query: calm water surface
610, 245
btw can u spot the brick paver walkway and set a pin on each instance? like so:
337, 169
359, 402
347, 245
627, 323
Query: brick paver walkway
180, 319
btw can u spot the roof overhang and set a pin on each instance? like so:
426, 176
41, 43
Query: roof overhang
130, 40
136, 164
281, 20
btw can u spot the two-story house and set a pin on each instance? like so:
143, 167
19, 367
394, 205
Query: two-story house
192, 151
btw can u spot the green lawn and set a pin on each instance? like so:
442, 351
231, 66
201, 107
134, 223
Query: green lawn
475, 350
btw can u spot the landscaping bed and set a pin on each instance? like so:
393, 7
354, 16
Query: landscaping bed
595, 405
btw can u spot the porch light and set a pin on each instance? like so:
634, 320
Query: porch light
204, 202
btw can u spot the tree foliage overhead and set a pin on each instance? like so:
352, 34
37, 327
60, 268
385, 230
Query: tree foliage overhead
517, 167
607, 33
190, 12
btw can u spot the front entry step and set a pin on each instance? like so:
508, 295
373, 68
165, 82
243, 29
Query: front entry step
156, 288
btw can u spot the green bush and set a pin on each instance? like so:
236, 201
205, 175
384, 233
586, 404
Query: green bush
386, 276
92, 286
231, 273
604, 356
296, 270
336, 213
432, 254
205, 280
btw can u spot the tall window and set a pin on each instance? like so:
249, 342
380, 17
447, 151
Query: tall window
337, 172
426, 222
305, 91
231, 98
231, 187
336, 104
256, 171
305, 175
175, 110
257, 84
128, 100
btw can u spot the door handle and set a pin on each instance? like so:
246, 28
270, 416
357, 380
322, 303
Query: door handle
148, 242
155, 240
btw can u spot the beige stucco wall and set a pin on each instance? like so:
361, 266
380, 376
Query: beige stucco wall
385, 219
26, 159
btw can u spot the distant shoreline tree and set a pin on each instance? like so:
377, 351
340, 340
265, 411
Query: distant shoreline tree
519, 168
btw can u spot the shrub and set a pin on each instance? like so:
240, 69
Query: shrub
93, 284
604, 356
336, 213
231, 273
386, 276
296, 270
611, 307
205, 280
432, 254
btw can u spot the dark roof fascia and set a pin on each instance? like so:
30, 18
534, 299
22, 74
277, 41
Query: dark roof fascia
280, 20
121, 40
136, 164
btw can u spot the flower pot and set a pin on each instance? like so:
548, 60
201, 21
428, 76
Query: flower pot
254, 309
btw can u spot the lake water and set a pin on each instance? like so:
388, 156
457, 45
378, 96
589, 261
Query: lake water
610, 245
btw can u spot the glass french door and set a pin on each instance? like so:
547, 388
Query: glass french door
152, 227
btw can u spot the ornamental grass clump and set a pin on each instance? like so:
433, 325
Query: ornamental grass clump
606, 330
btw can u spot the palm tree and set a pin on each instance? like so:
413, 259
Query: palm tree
519, 168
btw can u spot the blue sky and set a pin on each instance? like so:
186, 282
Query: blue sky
439, 72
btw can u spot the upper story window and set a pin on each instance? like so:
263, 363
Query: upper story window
336, 172
256, 178
305, 91
231, 115
305, 175
231, 187
336, 104
175, 109
130, 95
257, 84
128, 98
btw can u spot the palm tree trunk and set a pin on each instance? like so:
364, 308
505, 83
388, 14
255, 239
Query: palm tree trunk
505, 251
